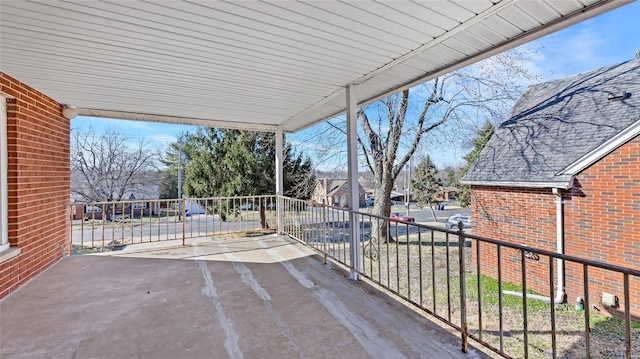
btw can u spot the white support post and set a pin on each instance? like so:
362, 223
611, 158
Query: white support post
354, 188
279, 178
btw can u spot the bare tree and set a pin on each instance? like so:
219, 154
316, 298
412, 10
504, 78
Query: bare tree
106, 166
448, 108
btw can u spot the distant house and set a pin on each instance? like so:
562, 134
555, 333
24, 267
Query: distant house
136, 203
447, 193
399, 197
563, 171
335, 192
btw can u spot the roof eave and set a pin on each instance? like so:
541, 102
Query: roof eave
601, 151
552, 184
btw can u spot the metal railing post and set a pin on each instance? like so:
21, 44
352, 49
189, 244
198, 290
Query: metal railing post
184, 219
464, 330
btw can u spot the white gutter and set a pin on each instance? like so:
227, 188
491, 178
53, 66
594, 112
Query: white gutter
566, 184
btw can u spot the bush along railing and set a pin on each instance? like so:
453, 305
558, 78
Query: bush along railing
102, 226
497, 293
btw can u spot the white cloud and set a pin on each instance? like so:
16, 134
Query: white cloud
605, 40
161, 138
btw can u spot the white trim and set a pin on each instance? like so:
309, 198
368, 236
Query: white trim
175, 120
604, 149
4, 206
9, 253
560, 184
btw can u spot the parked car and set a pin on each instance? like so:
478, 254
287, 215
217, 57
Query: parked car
369, 202
249, 207
119, 217
399, 217
452, 221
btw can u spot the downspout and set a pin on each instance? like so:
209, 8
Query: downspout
560, 293
560, 290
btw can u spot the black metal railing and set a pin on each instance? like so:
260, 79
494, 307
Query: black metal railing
498, 293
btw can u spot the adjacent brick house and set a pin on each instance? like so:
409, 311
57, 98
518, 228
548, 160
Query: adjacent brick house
334, 192
35, 218
562, 173
447, 193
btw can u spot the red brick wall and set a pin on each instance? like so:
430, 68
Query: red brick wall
38, 182
517, 215
602, 223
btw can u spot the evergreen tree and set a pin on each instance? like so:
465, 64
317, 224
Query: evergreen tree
169, 160
169, 175
425, 184
485, 133
450, 177
226, 163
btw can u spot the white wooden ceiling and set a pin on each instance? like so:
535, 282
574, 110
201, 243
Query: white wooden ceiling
256, 64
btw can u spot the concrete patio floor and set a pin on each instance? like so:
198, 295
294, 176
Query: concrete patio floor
251, 297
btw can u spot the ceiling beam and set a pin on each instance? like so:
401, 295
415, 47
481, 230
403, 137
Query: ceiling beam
176, 120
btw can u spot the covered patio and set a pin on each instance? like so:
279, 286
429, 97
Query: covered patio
279, 67
253, 297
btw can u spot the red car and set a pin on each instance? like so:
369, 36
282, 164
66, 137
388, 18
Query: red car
399, 217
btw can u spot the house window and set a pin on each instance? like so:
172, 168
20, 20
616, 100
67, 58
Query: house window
4, 207
140, 205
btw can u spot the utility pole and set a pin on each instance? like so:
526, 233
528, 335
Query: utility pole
180, 178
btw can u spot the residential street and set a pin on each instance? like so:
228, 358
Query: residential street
137, 231
424, 216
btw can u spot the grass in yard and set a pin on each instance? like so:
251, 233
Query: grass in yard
425, 270
489, 288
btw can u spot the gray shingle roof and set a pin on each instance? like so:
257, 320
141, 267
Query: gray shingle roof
555, 123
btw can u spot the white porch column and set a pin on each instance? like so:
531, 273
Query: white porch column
354, 193
279, 179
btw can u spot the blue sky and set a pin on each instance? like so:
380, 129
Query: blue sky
604, 40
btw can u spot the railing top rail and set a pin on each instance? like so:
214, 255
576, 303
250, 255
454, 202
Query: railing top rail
502, 243
426, 226
126, 200
543, 252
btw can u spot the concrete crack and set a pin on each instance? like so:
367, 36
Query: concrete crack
252, 282
231, 342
